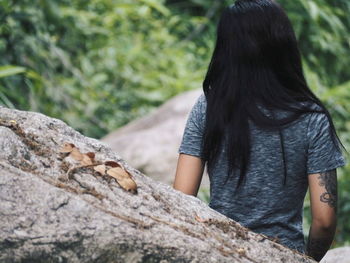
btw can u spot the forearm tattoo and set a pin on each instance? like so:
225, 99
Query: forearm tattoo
329, 181
317, 246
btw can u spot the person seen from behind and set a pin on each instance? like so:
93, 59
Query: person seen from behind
263, 134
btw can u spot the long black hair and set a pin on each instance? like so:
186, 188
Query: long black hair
256, 61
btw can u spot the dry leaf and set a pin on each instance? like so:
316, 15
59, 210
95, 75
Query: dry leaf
128, 184
86, 160
112, 164
118, 173
101, 169
67, 147
123, 178
76, 154
91, 155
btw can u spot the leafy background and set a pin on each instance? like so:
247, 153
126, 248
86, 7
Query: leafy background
97, 64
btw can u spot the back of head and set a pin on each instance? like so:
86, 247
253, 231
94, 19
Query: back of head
256, 55
256, 61
255, 31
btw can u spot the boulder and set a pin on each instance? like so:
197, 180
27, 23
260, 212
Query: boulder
150, 144
55, 208
337, 255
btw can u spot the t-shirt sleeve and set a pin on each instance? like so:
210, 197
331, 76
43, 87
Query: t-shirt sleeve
323, 153
192, 138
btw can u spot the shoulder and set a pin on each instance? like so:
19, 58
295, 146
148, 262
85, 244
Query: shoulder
320, 128
196, 115
201, 104
202, 99
317, 115
317, 118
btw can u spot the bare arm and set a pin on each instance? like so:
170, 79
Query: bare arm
323, 197
189, 174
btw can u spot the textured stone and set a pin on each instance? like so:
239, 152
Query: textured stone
337, 255
45, 217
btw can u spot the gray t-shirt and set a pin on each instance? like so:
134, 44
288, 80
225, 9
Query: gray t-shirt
262, 203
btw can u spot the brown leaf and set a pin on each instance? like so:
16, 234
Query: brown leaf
128, 184
123, 178
118, 173
101, 169
112, 164
76, 154
86, 160
67, 147
91, 155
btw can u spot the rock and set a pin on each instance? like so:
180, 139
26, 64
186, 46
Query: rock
49, 217
337, 255
150, 144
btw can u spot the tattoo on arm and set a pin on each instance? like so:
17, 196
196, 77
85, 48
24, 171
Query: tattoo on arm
319, 241
328, 179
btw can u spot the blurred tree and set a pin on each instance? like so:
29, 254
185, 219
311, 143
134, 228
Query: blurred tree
95, 64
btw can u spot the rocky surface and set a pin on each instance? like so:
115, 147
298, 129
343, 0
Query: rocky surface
150, 144
47, 216
337, 255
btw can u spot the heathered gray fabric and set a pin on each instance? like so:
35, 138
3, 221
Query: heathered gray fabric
263, 204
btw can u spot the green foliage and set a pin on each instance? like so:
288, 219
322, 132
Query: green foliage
9, 70
98, 64
322, 28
